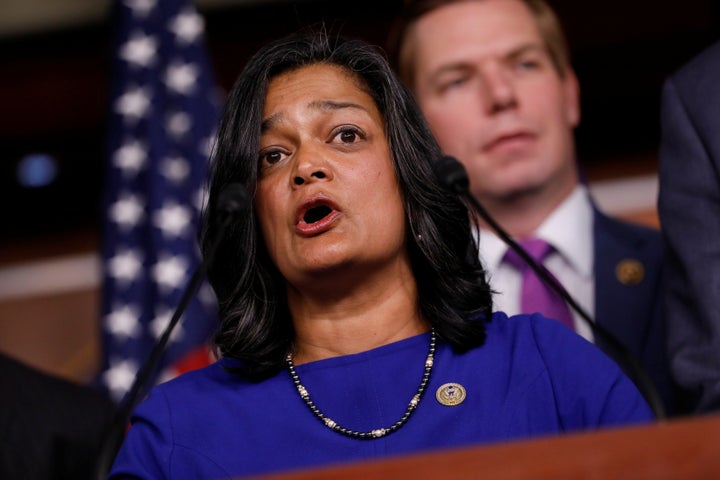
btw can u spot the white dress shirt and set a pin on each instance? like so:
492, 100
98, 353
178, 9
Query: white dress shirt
569, 229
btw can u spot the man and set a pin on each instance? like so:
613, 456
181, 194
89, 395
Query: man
494, 80
50, 428
689, 207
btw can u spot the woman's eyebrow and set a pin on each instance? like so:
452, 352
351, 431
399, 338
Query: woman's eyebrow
268, 122
325, 105
334, 105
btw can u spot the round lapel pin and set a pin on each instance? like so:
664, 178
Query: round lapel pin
451, 394
630, 272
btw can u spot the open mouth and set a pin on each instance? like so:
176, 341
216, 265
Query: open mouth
315, 214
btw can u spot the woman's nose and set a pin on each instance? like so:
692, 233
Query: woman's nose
301, 179
310, 166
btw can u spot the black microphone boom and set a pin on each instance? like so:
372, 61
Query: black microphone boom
453, 175
232, 200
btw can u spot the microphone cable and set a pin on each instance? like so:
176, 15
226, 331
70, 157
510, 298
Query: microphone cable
232, 200
452, 174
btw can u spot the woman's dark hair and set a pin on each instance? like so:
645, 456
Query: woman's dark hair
255, 322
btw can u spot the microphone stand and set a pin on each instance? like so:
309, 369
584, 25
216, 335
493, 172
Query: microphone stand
231, 201
454, 176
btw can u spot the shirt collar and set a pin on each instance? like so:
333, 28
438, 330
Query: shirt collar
568, 229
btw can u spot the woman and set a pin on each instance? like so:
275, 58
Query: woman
353, 324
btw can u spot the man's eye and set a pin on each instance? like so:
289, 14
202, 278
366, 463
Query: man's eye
452, 83
527, 65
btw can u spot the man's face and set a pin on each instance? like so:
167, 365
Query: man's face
494, 100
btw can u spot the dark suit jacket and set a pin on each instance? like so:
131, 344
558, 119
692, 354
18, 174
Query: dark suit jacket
628, 275
689, 208
50, 428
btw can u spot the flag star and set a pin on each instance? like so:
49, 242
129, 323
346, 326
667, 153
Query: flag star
120, 377
160, 323
123, 322
201, 199
130, 157
187, 26
167, 374
173, 219
175, 169
127, 211
207, 145
140, 8
178, 124
140, 50
125, 266
181, 77
207, 296
169, 272
134, 103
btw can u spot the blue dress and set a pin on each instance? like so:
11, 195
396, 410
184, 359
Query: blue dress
532, 377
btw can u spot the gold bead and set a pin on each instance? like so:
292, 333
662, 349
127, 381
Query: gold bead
329, 423
303, 391
379, 432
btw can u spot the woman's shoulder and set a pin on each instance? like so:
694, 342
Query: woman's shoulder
587, 385
216, 372
192, 387
534, 327
548, 341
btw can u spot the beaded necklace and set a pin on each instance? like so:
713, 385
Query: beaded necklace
379, 432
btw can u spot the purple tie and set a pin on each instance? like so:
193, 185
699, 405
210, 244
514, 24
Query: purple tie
535, 295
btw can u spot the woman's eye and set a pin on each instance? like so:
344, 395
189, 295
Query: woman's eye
348, 135
271, 157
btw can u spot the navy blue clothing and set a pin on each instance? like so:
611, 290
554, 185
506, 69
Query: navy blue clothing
532, 377
632, 310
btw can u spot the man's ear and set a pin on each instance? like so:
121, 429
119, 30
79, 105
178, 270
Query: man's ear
571, 92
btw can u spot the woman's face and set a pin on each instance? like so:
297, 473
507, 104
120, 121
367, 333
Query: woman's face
327, 197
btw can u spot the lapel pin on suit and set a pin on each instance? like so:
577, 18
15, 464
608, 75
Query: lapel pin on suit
629, 271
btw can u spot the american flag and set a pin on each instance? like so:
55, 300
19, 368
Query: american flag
164, 111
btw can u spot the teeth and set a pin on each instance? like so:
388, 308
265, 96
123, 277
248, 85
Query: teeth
316, 214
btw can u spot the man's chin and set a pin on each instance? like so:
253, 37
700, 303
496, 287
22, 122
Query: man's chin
508, 193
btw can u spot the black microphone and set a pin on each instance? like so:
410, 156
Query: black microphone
232, 200
453, 175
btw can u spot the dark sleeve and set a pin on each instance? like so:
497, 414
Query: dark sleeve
50, 428
689, 209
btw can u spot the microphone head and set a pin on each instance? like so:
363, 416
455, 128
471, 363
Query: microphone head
452, 174
233, 199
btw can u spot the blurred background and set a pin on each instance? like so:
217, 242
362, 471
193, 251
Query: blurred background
55, 69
